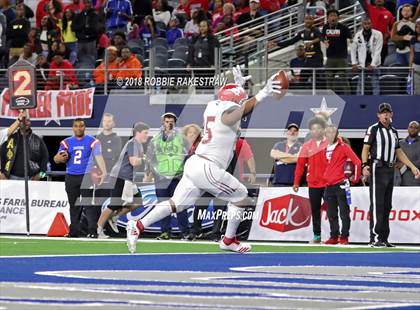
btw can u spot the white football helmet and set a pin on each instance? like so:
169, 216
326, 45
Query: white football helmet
232, 92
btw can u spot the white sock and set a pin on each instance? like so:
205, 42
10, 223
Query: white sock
234, 215
160, 211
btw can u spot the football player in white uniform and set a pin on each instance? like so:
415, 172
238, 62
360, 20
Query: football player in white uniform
206, 170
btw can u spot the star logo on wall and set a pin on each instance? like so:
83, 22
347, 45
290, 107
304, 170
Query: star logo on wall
324, 109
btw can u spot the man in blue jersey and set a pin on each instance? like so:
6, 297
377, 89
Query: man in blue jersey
78, 152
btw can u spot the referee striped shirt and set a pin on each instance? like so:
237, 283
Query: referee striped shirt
383, 142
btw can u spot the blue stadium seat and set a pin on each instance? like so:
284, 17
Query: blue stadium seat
161, 61
176, 63
160, 42
137, 50
392, 84
181, 52
161, 50
84, 74
181, 42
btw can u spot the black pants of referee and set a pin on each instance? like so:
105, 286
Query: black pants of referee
380, 192
336, 198
74, 188
315, 198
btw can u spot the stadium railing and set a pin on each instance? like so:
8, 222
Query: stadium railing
343, 81
350, 16
248, 41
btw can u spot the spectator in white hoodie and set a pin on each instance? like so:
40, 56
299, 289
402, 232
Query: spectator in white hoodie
366, 51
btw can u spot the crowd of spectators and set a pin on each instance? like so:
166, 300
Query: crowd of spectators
186, 33
386, 38
73, 34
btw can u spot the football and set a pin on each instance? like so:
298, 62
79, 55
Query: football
281, 76
348, 169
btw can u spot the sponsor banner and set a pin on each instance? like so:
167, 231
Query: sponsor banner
45, 200
149, 199
53, 105
48, 198
284, 215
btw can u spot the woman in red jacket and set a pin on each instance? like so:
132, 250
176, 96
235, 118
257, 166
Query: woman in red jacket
337, 153
312, 157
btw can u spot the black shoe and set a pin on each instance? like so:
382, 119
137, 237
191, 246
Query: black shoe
93, 236
378, 244
72, 235
163, 236
185, 237
191, 237
389, 245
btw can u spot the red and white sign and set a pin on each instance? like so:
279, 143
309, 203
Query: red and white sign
53, 105
286, 213
283, 215
45, 200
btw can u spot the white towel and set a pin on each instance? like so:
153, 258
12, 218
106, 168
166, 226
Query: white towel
130, 189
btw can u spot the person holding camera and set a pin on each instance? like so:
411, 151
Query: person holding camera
12, 159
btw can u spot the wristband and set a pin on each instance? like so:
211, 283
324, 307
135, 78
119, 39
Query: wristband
365, 165
260, 96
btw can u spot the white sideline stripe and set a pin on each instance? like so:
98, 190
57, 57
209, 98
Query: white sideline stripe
275, 244
280, 244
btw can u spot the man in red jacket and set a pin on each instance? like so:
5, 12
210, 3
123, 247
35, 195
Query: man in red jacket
337, 153
312, 157
382, 20
60, 66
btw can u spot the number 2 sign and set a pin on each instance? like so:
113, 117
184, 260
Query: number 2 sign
22, 86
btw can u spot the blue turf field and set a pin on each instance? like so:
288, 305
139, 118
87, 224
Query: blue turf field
228, 277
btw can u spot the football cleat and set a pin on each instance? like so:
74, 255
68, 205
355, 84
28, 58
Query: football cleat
234, 245
133, 234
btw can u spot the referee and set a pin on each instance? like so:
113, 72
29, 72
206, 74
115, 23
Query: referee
380, 149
